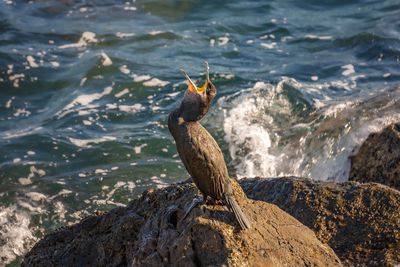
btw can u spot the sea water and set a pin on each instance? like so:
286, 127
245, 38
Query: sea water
86, 88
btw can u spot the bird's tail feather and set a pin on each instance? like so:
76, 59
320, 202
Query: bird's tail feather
240, 216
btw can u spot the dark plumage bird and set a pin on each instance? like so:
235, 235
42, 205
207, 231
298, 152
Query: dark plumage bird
198, 150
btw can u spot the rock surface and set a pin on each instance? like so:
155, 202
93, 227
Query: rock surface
378, 159
150, 232
361, 222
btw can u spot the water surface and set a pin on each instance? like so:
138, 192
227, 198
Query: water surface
86, 88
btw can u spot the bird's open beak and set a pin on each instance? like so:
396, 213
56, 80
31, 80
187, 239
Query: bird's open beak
192, 86
204, 87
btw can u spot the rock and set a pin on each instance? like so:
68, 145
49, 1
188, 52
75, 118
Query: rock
378, 159
361, 222
150, 232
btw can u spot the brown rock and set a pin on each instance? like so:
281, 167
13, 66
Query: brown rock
361, 222
150, 232
378, 159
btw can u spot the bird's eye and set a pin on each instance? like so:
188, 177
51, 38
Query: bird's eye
208, 89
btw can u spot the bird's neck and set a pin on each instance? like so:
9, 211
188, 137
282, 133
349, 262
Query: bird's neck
173, 122
178, 123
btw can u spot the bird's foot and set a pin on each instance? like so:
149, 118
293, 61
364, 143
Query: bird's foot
196, 202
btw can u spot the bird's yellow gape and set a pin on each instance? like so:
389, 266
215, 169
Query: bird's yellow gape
192, 86
203, 88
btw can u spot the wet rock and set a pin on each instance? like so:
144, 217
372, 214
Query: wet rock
361, 222
378, 159
150, 232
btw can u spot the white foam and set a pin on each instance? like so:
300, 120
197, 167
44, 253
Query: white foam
33, 172
89, 142
267, 138
86, 39
223, 40
8, 103
271, 45
122, 93
242, 134
131, 109
55, 64
102, 171
89, 98
155, 82
334, 109
159, 183
138, 149
31, 61
227, 76
130, 8
141, 78
83, 100
155, 32
59, 208
64, 192
212, 42
36, 196
348, 69
29, 207
124, 35
21, 112
16, 79
20, 133
131, 185
173, 94
119, 184
16, 235
313, 36
111, 106
124, 69
86, 122
106, 60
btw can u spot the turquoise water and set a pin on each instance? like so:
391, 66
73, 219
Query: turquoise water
86, 88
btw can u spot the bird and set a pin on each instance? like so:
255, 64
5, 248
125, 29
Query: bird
198, 150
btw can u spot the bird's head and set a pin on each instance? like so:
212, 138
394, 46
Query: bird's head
197, 100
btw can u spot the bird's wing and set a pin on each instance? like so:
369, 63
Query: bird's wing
204, 161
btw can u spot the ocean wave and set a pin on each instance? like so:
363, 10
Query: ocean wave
15, 226
271, 133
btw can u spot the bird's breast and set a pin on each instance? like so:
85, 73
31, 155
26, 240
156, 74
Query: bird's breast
202, 158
